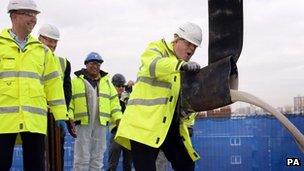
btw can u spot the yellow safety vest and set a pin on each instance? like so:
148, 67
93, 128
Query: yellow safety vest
152, 102
29, 80
61, 65
109, 107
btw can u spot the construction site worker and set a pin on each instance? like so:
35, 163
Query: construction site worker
29, 80
49, 35
152, 119
119, 81
94, 105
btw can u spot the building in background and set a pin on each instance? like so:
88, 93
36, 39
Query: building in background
249, 110
298, 104
288, 109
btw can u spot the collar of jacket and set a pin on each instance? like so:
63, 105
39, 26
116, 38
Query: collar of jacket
83, 72
6, 35
169, 46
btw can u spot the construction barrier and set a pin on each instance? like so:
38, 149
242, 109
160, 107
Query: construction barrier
239, 143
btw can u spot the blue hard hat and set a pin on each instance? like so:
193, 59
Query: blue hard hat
93, 56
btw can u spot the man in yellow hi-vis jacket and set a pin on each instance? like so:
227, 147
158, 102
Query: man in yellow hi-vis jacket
28, 82
94, 105
152, 120
49, 35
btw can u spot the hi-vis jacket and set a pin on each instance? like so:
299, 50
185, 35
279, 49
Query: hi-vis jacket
64, 70
109, 107
29, 80
152, 102
61, 64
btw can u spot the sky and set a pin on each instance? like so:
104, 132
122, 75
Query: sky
271, 65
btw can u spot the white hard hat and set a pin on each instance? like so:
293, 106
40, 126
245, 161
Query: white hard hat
190, 32
22, 4
49, 31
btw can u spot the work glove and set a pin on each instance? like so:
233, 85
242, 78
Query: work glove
129, 86
124, 97
71, 128
60, 123
190, 66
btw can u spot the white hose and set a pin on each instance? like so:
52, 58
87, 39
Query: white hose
248, 98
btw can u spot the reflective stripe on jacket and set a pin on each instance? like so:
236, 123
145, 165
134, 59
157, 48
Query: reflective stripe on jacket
28, 82
61, 64
152, 102
109, 108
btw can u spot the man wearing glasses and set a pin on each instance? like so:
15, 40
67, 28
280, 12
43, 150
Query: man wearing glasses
152, 120
28, 82
123, 91
49, 35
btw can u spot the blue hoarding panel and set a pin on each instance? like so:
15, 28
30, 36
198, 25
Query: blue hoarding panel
251, 143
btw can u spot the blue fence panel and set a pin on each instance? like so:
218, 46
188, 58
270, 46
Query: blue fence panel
252, 143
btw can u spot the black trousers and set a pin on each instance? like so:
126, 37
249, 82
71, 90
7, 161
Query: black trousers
62, 140
144, 156
33, 145
114, 155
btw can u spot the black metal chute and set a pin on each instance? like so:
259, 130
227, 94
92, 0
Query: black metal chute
225, 29
210, 87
